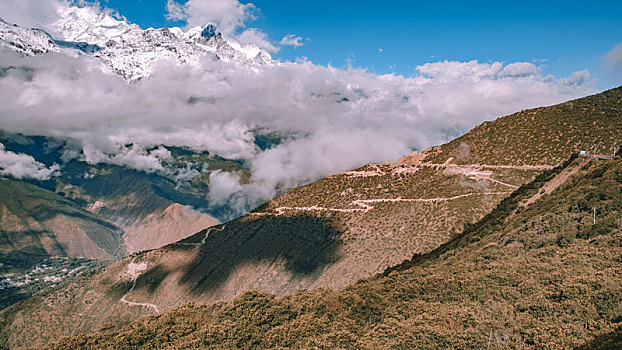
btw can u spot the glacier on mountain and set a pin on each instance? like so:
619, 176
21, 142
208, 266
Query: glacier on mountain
127, 49
26, 41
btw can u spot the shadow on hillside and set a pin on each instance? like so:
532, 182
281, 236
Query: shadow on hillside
303, 244
48, 213
606, 341
25, 256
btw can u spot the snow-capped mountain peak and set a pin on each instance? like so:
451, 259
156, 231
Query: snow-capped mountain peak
209, 32
84, 24
26, 41
126, 48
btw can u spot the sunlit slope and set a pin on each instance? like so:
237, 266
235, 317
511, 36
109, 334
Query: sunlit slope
531, 277
542, 135
327, 234
152, 209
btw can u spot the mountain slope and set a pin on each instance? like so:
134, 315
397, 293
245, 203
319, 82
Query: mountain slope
146, 206
26, 41
543, 135
135, 201
543, 276
158, 229
36, 222
46, 239
327, 234
41, 229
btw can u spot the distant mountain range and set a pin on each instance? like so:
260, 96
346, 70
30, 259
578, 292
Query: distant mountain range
127, 49
427, 228
106, 211
338, 230
100, 211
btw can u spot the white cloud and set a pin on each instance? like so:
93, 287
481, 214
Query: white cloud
613, 59
187, 173
331, 113
228, 15
292, 40
475, 71
224, 184
519, 69
328, 114
31, 13
44, 14
580, 78
23, 166
137, 157
175, 11
226, 190
258, 38
161, 153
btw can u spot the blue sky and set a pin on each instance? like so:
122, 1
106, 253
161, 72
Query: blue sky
324, 137
560, 36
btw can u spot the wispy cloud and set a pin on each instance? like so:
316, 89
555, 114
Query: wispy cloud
292, 40
175, 11
231, 17
228, 15
613, 60
258, 38
31, 13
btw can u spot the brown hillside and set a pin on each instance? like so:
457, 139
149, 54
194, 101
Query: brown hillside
541, 136
327, 234
538, 277
161, 228
45, 239
36, 223
138, 203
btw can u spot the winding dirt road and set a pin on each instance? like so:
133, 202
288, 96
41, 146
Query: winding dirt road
135, 270
365, 207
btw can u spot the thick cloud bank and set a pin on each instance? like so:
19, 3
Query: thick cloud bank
333, 119
329, 119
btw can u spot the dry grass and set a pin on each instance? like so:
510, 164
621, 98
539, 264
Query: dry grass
545, 135
366, 242
543, 277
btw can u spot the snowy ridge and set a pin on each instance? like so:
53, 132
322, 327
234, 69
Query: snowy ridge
126, 48
26, 41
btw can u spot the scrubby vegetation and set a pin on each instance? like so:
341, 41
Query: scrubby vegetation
378, 216
339, 191
592, 123
544, 276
